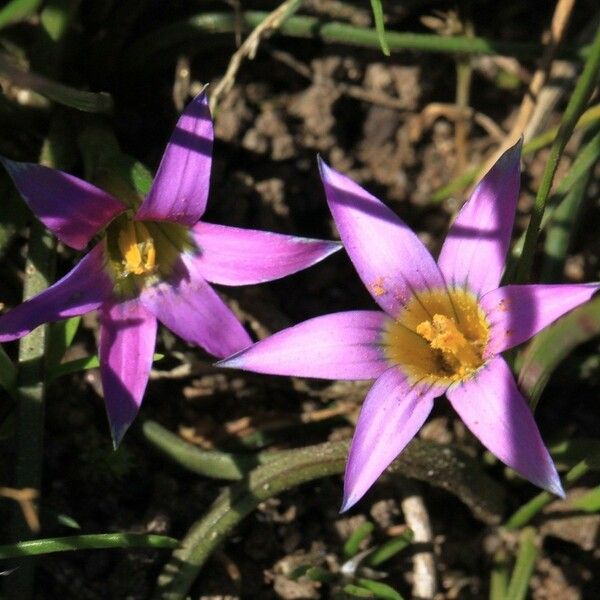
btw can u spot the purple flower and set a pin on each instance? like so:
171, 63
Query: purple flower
442, 331
153, 261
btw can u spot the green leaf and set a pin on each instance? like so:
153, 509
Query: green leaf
17, 10
352, 545
519, 582
320, 574
391, 548
379, 589
590, 502
553, 344
499, 576
377, 9
61, 336
358, 592
86, 542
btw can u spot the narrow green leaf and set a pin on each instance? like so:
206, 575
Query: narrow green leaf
61, 336
499, 576
589, 502
519, 582
358, 592
320, 574
377, 8
379, 589
352, 545
87, 542
17, 10
530, 509
553, 344
391, 548
100, 102
298, 572
577, 103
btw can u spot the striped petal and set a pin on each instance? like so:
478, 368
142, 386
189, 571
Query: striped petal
72, 209
474, 252
83, 289
180, 188
342, 345
189, 307
494, 410
392, 413
127, 339
232, 256
517, 312
389, 257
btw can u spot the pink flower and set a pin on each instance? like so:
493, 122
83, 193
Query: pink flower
442, 331
153, 261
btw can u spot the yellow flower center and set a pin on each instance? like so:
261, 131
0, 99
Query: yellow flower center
137, 249
439, 337
143, 253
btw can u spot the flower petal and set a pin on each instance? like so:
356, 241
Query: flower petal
72, 209
189, 307
127, 339
232, 256
495, 411
517, 312
81, 290
392, 413
389, 257
180, 188
474, 252
343, 345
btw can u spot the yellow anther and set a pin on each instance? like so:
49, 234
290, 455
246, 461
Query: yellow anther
443, 334
137, 249
439, 337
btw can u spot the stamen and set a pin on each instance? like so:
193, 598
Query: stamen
137, 249
443, 334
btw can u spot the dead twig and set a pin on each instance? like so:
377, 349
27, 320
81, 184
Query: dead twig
249, 48
417, 518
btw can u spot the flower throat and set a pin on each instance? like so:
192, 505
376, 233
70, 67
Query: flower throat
440, 337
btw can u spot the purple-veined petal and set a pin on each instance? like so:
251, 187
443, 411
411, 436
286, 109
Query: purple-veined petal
180, 188
517, 312
80, 291
494, 410
233, 256
189, 307
389, 257
127, 339
343, 345
474, 252
72, 209
392, 413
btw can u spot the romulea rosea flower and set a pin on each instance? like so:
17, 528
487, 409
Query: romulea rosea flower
442, 331
153, 261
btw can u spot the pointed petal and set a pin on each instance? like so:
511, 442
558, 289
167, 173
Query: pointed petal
127, 339
474, 252
72, 209
392, 413
180, 188
189, 307
343, 345
389, 257
494, 410
517, 312
80, 291
232, 256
